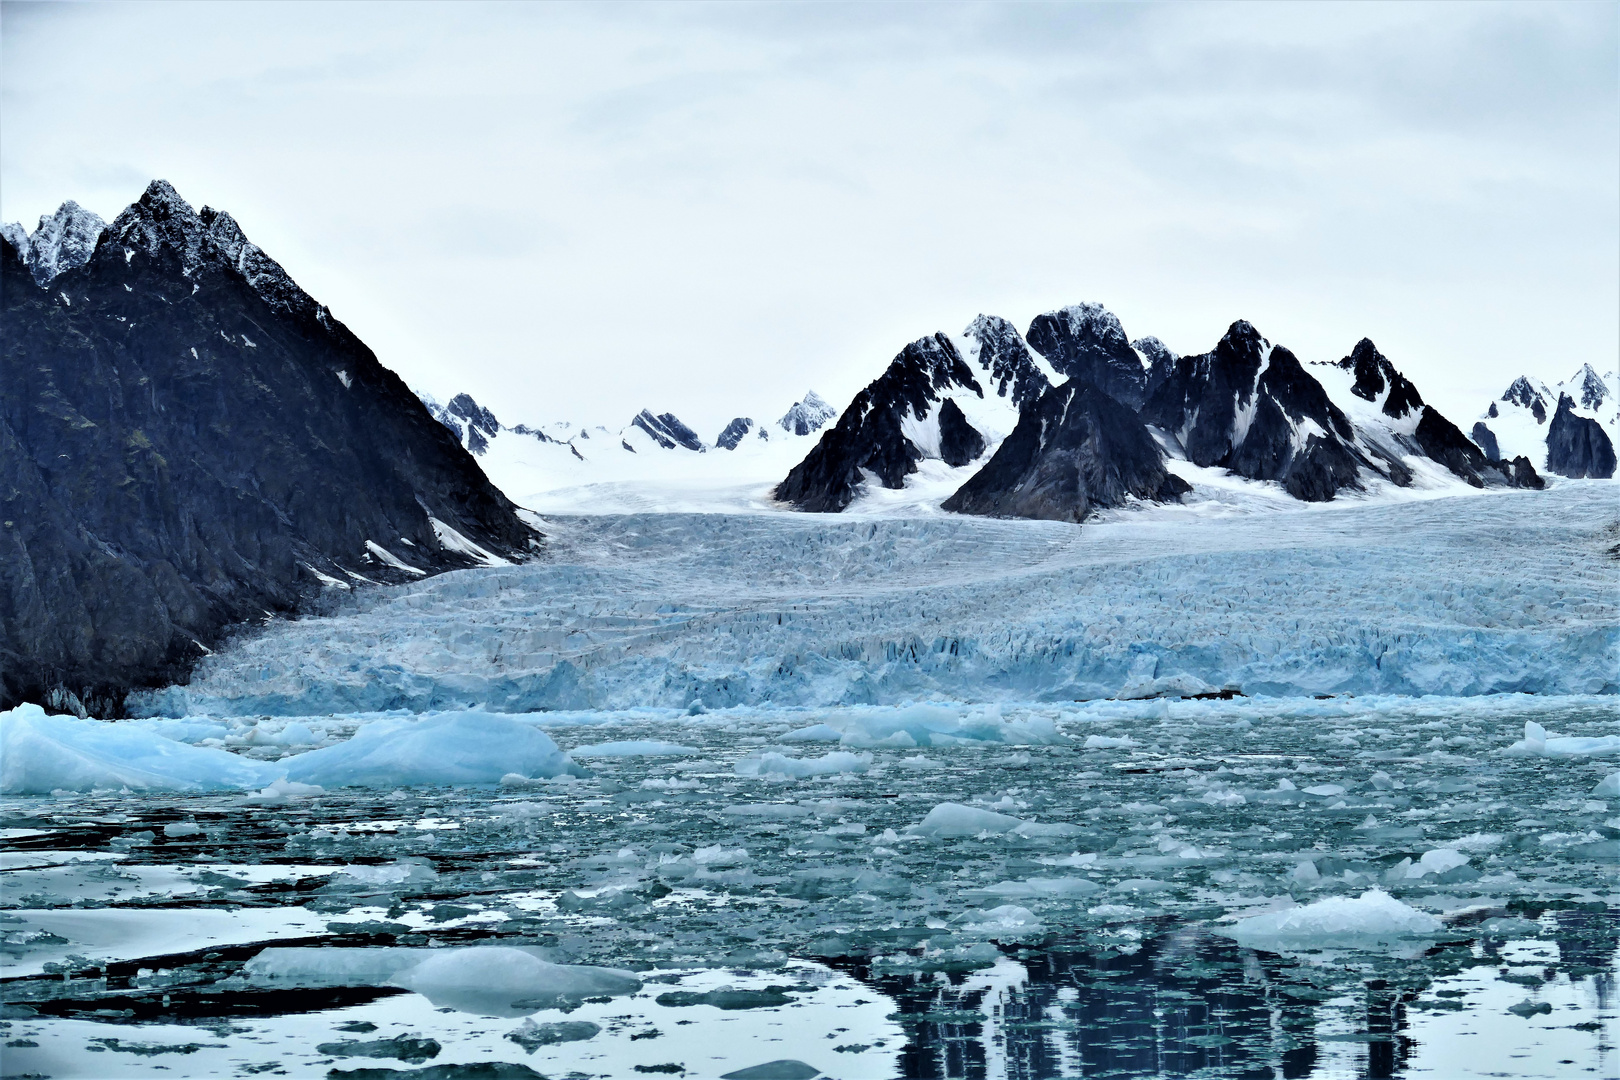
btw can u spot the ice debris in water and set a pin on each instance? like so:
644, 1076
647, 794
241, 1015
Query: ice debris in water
40, 754
1373, 914
440, 748
929, 725
774, 764
1608, 787
1537, 742
1005, 921
633, 748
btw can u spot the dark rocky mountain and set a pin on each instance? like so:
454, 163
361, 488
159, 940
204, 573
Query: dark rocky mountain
1086, 342
811, 414
1524, 394
1160, 361
472, 424
1589, 389
1577, 446
1252, 408
63, 241
1378, 381
189, 443
870, 436
1485, 440
959, 441
1075, 450
1006, 361
667, 431
735, 432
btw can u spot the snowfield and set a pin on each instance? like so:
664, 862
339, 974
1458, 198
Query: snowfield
1480, 594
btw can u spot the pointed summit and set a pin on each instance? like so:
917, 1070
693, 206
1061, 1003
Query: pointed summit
63, 241
808, 415
1086, 341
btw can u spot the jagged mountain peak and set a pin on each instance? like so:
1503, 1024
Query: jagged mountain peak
1527, 394
62, 241
1000, 350
1087, 341
1155, 352
807, 415
666, 430
1378, 381
1592, 391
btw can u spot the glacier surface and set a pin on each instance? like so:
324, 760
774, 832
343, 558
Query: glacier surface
1493, 593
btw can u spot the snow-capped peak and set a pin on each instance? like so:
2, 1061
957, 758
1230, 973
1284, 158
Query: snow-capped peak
808, 415
63, 241
1086, 341
1015, 371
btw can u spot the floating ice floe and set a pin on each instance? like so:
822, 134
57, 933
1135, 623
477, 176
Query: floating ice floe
437, 749
486, 980
929, 725
1537, 742
1372, 916
40, 754
774, 764
1608, 787
955, 820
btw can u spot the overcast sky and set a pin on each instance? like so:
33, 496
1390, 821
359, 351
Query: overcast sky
575, 211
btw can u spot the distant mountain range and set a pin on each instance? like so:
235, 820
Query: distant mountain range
190, 442
1067, 419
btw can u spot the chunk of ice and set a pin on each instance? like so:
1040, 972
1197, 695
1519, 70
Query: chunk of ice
40, 754
1538, 743
437, 749
1372, 915
501, 981
774, 764
1608, 787
954, 819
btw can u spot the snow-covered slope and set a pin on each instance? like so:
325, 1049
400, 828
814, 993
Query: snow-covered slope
1524, 420
653, 463
1416, 445
1436, 596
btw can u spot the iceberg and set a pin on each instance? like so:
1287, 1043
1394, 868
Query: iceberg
40, 753
496, 980
953, 819
1538, 743
1372, 916
438, 749
774, 764
490, 980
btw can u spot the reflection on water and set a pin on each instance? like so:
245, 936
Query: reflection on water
1190, 1002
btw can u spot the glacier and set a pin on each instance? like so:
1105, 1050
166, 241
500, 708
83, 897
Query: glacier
1504, 592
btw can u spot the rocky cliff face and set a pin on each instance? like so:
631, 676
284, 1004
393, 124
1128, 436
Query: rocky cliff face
1087, 342
190, 443
1577, 446
1073, 451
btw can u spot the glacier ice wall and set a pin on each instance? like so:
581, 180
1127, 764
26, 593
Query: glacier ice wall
1496, 593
